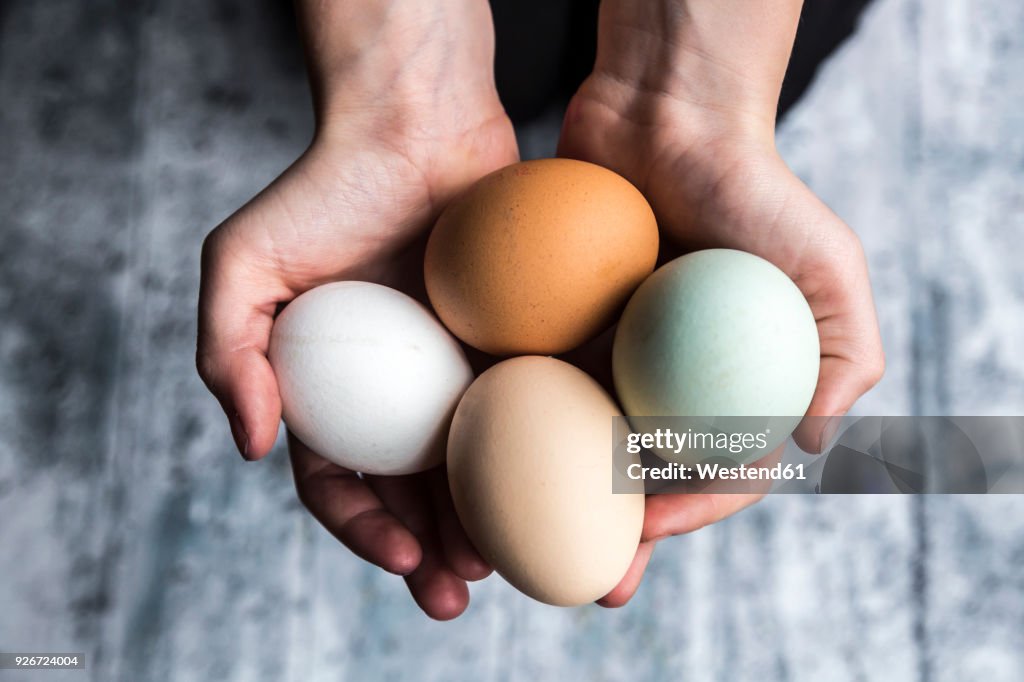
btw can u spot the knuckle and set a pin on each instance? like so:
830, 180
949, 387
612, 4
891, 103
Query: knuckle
875, 368
212, 246
853, 242
206, 367
302, 491
852, 263
308, 488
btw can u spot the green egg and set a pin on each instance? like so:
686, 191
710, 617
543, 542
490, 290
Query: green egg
718, 333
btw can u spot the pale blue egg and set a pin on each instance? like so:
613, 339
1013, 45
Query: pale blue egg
718, 333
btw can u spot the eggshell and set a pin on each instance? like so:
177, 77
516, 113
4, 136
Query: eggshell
368, 377
718, 333
540, 256
530, 470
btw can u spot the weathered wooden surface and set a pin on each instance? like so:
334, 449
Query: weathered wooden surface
130, 531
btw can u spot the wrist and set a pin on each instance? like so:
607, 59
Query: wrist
716, 64
644, 126
399, 64
669, 117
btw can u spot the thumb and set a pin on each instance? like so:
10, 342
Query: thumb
237, 303
841, 382
852, 357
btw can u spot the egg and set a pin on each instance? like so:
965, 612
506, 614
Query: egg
717, 333
540, 256
368, 377
530, 470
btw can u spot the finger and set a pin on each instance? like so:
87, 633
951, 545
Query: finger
346, 506
459, 552
679, 513
841, 383
236, 313
437, 590
627, 587
852, 358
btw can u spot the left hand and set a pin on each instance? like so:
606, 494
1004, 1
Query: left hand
407, 117
682, 103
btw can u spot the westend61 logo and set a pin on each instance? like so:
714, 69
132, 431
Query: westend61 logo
873, 455
716, 471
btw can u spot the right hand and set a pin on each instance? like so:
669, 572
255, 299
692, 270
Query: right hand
682, 103
397, 137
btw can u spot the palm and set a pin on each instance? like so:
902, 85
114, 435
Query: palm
732, 191
736, 193
354, 207
381, 206
358, 210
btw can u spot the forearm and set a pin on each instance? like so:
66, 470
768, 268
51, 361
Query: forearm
722, 56
380, 56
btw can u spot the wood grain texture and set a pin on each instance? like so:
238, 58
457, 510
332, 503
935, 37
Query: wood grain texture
133, 533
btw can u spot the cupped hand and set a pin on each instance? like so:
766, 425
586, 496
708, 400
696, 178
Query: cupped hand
682, 103
356, 205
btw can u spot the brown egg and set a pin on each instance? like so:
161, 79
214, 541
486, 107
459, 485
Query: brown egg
540, 256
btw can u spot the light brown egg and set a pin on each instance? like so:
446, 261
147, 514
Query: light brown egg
530, 470
540, 256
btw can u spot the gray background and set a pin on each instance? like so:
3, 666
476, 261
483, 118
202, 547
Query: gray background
131, 531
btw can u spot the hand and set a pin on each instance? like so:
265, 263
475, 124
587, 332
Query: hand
398, 134
682, 103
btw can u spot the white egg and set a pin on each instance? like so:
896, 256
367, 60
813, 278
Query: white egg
368, 377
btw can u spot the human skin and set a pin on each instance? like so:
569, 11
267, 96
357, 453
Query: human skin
407, 115
681, 102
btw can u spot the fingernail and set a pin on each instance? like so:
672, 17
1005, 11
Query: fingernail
239, 434
828, 433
